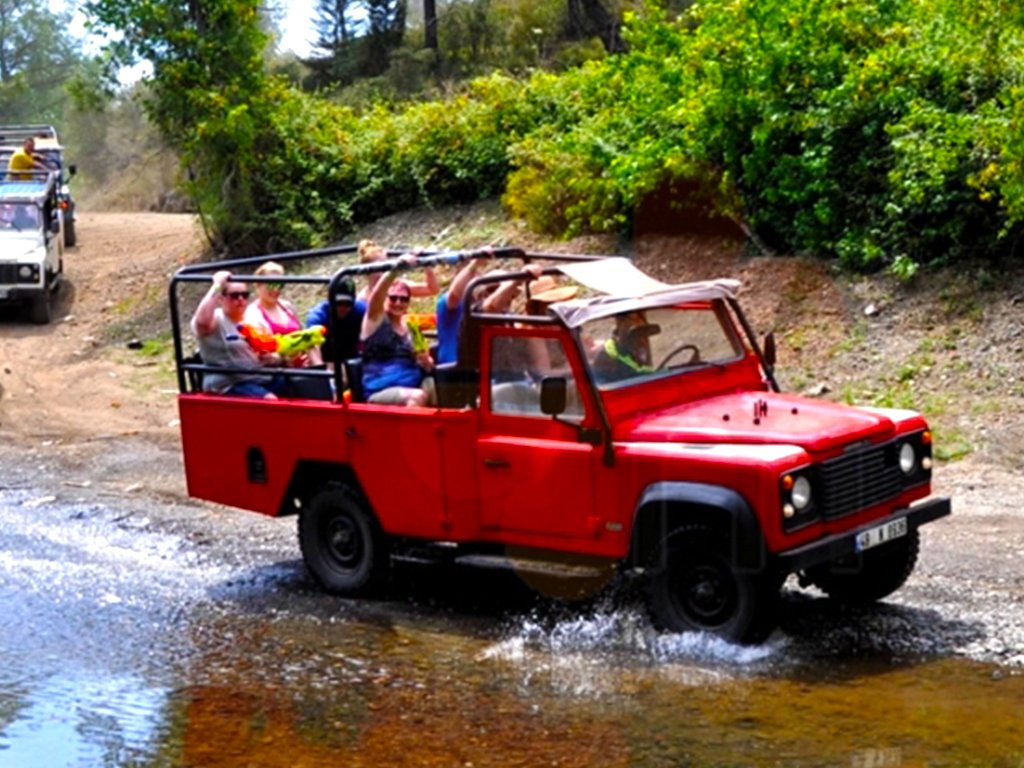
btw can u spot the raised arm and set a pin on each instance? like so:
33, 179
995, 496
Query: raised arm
204, 320
458, 287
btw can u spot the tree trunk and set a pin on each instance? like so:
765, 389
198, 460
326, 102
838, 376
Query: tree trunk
430, 23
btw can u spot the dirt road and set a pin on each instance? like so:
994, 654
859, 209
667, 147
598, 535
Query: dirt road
71, 396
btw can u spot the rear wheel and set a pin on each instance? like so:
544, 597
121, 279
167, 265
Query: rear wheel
69, 232
878, 573
342, 545
696, 587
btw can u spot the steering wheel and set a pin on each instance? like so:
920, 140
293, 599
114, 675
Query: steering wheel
694, 355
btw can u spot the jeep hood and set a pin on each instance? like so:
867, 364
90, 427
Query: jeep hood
762, 418
21, 246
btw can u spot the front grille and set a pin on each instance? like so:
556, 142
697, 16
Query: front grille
9, 275
858, 480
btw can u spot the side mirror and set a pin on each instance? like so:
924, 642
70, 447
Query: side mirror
552, 395
769, 350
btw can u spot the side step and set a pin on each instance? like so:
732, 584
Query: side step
449, 553
529, 565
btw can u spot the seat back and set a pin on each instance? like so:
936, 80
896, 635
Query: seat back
457, 387
354, 379
194, 378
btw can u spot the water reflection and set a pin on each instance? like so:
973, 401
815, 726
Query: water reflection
76, 719
127, 647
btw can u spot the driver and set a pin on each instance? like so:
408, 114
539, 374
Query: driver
628, 352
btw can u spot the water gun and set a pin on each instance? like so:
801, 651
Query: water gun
418, 322
284, 344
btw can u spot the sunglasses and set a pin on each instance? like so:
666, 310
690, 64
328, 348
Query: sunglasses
398, 298
236, 295
274, 286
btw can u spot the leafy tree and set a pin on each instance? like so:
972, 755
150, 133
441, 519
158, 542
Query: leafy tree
334, 59
37, 57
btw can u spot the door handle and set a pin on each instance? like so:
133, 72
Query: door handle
496, 463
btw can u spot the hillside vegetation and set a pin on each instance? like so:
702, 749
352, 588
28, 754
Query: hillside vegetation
878, 133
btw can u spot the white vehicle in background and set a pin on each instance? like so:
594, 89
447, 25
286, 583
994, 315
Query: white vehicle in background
31, 242
49, 148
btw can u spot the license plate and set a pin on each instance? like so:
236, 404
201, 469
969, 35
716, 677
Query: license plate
3, 293
880, 534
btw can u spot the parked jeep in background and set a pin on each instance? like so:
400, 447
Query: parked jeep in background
31, 242
642, 434
48, 147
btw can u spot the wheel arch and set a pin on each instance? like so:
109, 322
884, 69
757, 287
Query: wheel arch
311, 476
666, 506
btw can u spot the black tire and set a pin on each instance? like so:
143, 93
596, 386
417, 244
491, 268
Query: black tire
342, 545
39, 312
877, 574
70, 238
694, 586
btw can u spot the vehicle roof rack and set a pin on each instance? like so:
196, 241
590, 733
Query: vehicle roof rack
16, 134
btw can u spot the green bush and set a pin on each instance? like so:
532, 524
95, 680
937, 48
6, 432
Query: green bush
882, 133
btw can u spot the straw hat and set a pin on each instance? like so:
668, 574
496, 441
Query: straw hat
547, 291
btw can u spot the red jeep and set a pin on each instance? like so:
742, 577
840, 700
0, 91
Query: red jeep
642, 433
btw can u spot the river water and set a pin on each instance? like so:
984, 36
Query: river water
190, 638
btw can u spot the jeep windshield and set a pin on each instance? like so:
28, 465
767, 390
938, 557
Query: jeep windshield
655, 330
643, 344
19, 217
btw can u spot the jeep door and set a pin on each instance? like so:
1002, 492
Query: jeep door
536, 476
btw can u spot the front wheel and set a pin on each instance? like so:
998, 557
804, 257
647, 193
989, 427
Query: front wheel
342, 545
878, 573
695, 587
39, 311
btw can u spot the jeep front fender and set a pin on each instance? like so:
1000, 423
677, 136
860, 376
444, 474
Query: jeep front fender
667, 506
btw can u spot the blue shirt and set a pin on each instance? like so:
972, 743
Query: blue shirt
447, 330
347, 328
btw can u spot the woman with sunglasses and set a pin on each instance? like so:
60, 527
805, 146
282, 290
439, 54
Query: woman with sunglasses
393, 372
215, 325
273, 314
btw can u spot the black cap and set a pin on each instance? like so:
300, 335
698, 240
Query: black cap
345, 291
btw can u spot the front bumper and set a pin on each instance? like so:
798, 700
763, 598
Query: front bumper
19, 293
843, 544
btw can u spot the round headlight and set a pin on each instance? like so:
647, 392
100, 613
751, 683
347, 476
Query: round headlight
908, 458
24, 271
801, 493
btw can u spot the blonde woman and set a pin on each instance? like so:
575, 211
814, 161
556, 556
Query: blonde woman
276, 315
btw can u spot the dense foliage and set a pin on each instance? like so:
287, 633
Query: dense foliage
878, 132
881, 132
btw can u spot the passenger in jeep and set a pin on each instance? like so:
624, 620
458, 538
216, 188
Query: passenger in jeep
393, 372
275, 314
343, 326
215, 325
25, 159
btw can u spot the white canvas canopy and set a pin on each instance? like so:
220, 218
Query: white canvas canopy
627, 289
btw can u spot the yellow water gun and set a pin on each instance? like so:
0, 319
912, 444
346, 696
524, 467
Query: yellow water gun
297, 342
418, 322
